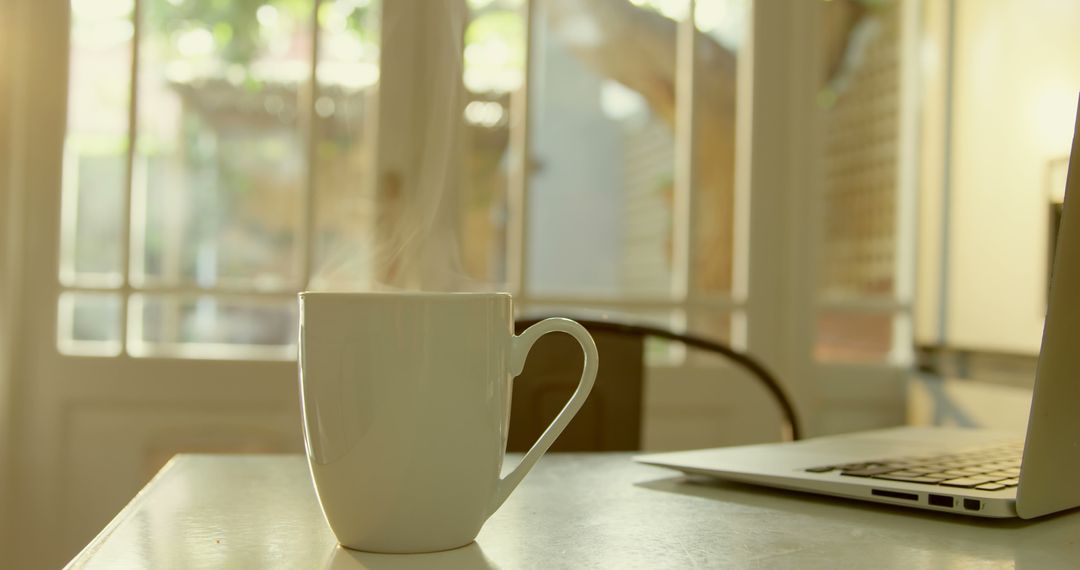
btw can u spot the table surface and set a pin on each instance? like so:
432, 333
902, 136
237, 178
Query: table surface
590, 510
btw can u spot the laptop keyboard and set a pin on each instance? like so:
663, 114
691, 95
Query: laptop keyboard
987, 469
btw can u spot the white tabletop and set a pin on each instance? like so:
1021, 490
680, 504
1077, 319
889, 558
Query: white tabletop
572, 511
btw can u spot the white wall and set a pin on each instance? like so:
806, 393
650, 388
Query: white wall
1017, 74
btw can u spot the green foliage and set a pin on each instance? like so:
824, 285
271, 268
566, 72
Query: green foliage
234, 24
501, 30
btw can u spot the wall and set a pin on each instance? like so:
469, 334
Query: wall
1017, 74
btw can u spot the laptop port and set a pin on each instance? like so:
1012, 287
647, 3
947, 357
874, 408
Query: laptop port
940, 501
894, 494
972, 504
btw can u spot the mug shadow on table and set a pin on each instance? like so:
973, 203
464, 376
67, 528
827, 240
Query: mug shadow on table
468, 557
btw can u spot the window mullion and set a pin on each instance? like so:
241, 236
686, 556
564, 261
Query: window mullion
636, 303
307, 119
684, 242
129, 176
190, 291
907, 183
517, 249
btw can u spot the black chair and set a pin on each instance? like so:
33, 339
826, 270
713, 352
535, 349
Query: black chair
611, 418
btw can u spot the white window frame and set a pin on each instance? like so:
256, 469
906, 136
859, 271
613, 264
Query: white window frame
682, 300
773, 305
756, 232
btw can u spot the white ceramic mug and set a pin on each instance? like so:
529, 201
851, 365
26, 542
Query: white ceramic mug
406, 402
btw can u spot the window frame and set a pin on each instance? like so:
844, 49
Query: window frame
683, 299
751, 243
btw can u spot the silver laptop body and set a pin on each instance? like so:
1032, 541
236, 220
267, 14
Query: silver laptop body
1051, 448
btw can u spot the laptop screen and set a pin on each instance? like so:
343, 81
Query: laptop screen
1052, 448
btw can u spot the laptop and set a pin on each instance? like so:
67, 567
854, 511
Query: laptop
974, 472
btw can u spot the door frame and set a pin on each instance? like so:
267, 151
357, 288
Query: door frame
11, 230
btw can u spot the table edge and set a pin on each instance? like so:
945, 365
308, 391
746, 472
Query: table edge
132, 505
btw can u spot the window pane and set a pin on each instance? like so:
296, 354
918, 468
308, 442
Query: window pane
602, 104
723, 23
89, 323
494, 71
710, 324
344, 171
601, 218
853, 337
860, 104
212, 327
219, 155
96, 145
861, 108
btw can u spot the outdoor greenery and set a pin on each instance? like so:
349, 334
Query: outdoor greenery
236, 26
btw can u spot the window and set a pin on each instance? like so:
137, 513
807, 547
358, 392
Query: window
620, 217
194, 130
219, 158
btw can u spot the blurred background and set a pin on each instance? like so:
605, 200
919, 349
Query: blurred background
861, 193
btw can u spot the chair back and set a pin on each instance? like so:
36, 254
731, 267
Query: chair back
610, 420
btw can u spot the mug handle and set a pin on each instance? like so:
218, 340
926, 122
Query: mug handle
519, 350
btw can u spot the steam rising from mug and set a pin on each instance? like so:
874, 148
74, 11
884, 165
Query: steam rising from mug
408, 236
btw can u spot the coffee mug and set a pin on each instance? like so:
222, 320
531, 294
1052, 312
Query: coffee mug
406, 404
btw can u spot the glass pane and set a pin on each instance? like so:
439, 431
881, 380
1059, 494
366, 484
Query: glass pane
494, 71
600, 196
861, 112
219, 154
96, 143
711, 324
853, 337
89, 323
212, 327
723, 24
344, 171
